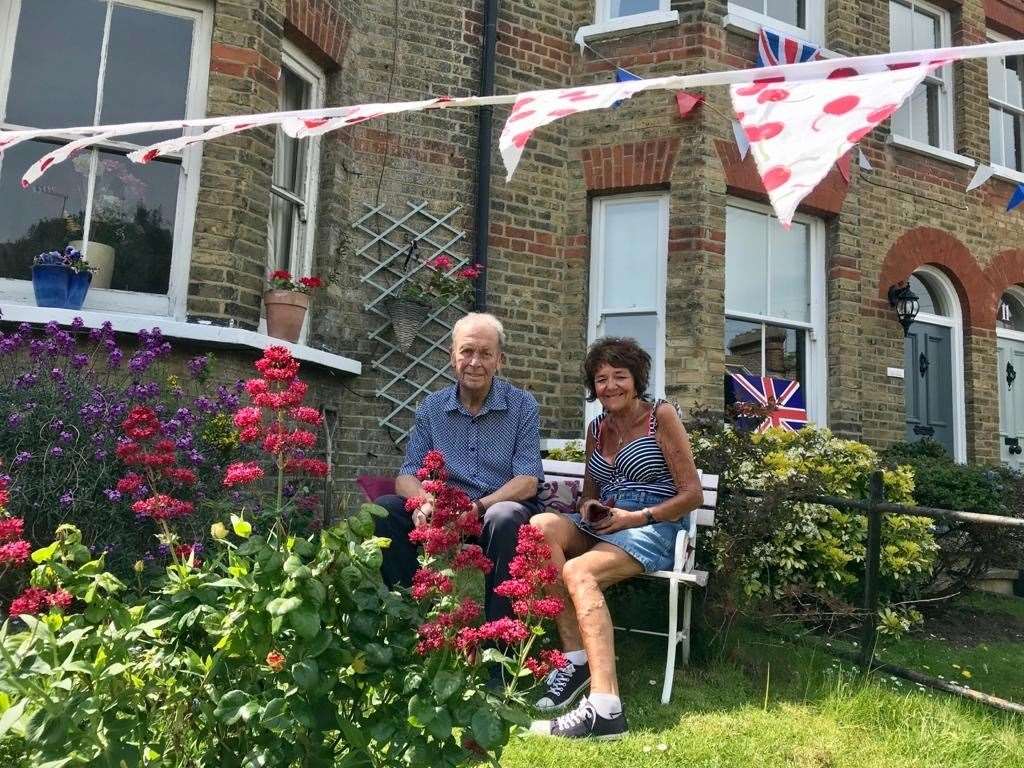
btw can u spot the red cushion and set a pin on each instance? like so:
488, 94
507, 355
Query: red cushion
375, 486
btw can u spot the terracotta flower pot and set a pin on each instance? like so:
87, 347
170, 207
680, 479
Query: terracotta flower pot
285, 312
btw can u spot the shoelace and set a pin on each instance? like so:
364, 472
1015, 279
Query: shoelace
559, 678
585, 711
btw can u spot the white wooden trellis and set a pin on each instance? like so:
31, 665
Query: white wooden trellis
407, 377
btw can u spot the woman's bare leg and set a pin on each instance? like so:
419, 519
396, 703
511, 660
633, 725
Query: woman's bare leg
566, 542
586, 577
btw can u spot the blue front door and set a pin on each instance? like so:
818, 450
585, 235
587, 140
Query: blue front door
928, 384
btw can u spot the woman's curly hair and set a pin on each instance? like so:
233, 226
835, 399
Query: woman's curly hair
618, 352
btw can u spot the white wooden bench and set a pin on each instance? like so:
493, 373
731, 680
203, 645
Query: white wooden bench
563, 484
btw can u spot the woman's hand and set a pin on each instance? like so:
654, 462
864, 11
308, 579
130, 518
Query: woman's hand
619, 520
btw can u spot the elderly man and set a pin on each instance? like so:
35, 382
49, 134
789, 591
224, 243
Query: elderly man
488, 432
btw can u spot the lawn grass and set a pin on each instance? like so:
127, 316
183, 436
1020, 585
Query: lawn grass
773, 702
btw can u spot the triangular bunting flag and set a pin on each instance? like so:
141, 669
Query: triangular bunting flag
1017, 198
741, 139
983, 174
798, 129
687, 103
862, 161
843, 164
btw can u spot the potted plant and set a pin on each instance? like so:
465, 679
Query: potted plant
408, 309
286, 303
61, 278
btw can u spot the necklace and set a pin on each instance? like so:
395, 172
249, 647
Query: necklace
619, 431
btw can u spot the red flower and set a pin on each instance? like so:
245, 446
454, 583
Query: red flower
30, 602
60, 598
130, 483
249, 434
471, 273
311, 467
425, 581
181, 475
275, 660
242, 473
280, 274
248, 417
307, 415
141, 423
441, 262
15, 552
514, 588
472, 556
11, 528
160, 506
312, 282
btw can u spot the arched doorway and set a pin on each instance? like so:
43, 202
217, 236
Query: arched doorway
1010, 375
933, 365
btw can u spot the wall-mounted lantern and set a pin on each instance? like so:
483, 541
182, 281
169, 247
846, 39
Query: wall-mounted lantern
906, 304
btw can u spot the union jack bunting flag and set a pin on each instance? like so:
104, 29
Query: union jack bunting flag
776, 48
783, 398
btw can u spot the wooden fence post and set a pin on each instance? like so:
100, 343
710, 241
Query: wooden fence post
871, 570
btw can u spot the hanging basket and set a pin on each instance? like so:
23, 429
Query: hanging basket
407, 317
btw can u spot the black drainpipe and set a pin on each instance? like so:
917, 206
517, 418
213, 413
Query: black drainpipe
484, 146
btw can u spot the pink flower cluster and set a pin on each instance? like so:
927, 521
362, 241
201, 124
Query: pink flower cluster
546, 661
145, 447
531, 574
13, 549
35, 599
275, 397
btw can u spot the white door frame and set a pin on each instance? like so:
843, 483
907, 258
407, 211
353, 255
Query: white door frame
1017, 336
937, 280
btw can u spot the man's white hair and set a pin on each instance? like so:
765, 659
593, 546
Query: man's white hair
480, 318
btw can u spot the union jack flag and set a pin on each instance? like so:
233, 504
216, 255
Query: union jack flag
783, 398
776, 48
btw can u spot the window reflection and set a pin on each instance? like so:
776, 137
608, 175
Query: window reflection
781, 349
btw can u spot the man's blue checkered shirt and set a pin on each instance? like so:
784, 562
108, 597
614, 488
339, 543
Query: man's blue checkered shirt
485, 451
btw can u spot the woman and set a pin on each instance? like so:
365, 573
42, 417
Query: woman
639, 486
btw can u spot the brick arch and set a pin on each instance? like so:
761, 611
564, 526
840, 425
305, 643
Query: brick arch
317, 28
1006, 269
927, 245
622, 166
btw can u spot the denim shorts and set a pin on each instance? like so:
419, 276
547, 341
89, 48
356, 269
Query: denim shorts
653, 546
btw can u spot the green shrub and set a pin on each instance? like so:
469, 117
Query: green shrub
572, 451
770, 548
966, 551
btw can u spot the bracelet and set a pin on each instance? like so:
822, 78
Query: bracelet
649, 518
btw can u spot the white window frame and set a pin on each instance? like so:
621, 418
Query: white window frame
1001, 169
752, 21
816, 364
303, 235
1017, 292
174, 303
943, 79
603, 11
595, 311
943, 289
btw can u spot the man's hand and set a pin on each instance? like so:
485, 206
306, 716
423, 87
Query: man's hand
421, 515
478, 508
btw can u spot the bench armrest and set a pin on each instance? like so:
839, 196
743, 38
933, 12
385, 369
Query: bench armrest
679, 560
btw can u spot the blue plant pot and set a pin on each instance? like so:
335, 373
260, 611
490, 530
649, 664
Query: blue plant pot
50, 282
78, 286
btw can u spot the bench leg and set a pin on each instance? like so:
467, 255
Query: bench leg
673, 638
687, 604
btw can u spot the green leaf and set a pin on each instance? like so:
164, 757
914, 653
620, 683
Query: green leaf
420, 712
229, 708
45, 554
279, 606
305, 621
513, 715
12, 716
446, 683
488, 729
306, 674
275, 715
374, 509
295, 568
241, 528
379, 655
441, 726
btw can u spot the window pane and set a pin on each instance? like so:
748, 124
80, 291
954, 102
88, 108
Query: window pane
911, 120
1011, 313
134, 207
282, 232
147, 69
40, 218
996, 140
789, 11
900, 29
53, 81
746, 260
753, 5
629, 7
643, 328
926, 31
1011, 69
996, 79
742, 347
931, 124
927, 299
784, 352
632, 233
790, 290
1010, 131
289, 165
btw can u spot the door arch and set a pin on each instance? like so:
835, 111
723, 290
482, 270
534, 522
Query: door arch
934, 364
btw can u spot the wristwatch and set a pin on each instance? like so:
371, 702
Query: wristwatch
648, 516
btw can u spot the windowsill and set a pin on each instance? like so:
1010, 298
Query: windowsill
749, 27
213, 334
927, 149
627, 25
1008, 174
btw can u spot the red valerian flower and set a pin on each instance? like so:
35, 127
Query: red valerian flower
275, 660
60, 598
242, 473
471, 273
130, 483
441, 262
307, 415
34, 599
312, 282
248, 417
311, 467
181, 475
426, 581
11, 528
280, 274
141, 423
15, 552
547, 661
160, 506
472, 556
